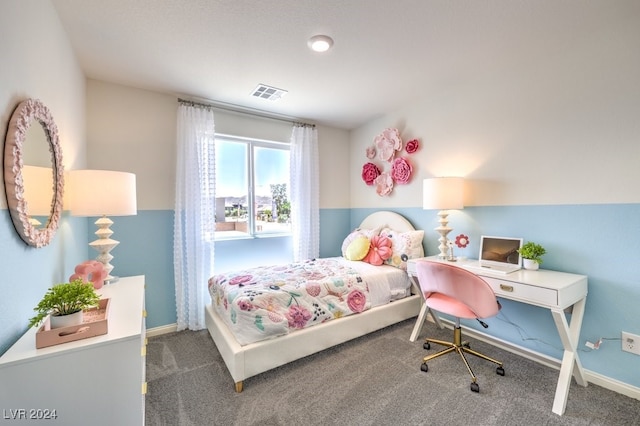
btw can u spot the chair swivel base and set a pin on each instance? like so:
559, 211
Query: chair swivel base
461, 348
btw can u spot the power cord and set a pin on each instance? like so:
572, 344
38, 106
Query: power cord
523, 333
596, 345
525, 337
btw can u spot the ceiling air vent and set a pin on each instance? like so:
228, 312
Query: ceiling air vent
267, 92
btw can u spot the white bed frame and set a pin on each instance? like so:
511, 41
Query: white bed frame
255, 358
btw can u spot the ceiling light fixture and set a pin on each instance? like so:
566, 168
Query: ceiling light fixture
320, 43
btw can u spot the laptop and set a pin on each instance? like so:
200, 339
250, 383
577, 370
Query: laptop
497, 255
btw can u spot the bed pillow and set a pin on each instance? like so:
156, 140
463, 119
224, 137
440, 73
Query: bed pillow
355, 234
358, 248
405, 246
379, 250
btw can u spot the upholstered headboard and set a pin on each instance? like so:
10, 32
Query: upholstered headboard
387, 219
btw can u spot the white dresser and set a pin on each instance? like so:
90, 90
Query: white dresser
96, 381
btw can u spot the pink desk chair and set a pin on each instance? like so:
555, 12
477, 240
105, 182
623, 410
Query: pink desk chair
462, 294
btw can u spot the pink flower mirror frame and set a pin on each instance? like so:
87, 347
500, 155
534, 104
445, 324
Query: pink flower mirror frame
27, 113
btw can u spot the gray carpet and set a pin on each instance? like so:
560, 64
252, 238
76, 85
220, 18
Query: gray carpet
373, 380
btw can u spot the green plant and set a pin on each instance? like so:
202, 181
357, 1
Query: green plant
65, 299
533, 251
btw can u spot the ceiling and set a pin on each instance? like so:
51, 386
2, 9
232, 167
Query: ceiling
387, 53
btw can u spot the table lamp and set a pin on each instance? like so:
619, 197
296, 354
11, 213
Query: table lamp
443, 193
102, 193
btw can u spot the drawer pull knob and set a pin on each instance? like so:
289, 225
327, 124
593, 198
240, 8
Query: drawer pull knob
505, 287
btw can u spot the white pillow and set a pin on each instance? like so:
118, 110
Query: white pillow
405, 246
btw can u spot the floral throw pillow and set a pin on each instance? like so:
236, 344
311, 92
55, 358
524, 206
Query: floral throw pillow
355, 234
405, 246
379, 250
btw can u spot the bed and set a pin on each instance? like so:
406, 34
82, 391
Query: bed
253, 337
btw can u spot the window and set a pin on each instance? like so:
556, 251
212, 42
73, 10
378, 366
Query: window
252, 187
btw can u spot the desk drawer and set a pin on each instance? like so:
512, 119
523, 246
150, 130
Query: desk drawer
523, 292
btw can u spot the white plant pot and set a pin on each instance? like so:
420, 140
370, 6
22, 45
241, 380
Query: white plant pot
530, 264
58, 321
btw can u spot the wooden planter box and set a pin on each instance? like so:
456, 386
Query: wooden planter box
95, 322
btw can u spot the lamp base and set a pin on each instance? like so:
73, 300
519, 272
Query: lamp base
104, 244
443, 230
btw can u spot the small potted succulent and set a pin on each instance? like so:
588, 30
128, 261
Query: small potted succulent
532, 254
65, 303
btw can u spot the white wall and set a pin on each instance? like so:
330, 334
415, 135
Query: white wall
559, 129
134, 130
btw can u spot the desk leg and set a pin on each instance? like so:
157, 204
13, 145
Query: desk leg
571, 366
418, 327
422, 316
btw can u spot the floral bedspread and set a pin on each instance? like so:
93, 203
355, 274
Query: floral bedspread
265, 302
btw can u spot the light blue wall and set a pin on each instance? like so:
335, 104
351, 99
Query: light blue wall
146, 248
599, 241
27, 273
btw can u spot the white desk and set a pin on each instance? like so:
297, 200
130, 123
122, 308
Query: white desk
555, 291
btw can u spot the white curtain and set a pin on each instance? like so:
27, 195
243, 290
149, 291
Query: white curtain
305, 192
194, 222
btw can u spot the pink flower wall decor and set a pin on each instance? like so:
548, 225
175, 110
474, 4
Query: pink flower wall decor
384, 184
412, 146
462, 241
401, 171
386, 147
371, 152
388, 142
369, 173
379, 250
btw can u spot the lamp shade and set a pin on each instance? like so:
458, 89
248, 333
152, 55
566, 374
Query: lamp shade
443, 193
38, 190
102, 193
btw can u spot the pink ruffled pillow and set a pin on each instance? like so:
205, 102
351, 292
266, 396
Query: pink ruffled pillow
379, 250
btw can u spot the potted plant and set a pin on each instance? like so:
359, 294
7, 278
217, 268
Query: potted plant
532, 254
65, 300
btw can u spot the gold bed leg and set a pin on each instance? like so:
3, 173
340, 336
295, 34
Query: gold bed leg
239, 387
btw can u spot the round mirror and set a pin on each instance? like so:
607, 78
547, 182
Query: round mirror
31, 184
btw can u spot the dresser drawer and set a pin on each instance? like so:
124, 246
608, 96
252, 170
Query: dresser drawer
523, 292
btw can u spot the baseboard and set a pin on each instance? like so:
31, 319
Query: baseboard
591, 376
157, 331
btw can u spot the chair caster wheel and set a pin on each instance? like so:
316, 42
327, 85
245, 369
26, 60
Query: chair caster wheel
424, 367
500, 371
475, 387
426, 346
